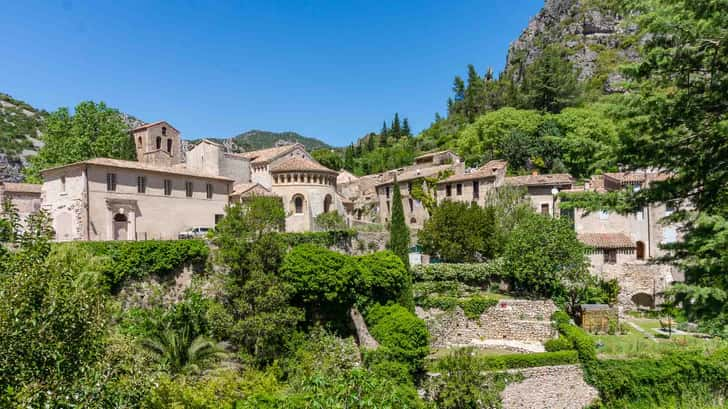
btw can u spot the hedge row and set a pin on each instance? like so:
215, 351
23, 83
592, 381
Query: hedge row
479, 274
680, 379
140, 259
334, 238
514, 361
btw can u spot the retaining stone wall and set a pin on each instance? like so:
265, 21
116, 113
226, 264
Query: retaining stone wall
561, 386
519, 320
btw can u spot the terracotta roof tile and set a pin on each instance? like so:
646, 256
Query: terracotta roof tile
20, 187
151, 124
127, 164
245, 189
267, 155
300, 164
540, 180
432, 154
636, 176
606, 240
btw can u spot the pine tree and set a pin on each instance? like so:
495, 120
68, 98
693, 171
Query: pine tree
550, 83
383, 135
399, 241
349, 158
474, 94
406, 128
396, 126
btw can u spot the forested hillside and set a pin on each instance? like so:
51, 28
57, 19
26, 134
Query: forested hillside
20, 126
555, 107
257, 139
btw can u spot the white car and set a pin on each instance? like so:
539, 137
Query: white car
194, 233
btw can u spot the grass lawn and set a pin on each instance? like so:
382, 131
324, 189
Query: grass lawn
635, 345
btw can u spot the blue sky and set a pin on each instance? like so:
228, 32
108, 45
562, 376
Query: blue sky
328, 69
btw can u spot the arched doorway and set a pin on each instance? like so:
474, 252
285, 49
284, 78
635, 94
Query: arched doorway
327, 203
121, 227
640, 250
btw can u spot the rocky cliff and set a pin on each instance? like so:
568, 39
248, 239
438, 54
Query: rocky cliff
20, 126
593, 33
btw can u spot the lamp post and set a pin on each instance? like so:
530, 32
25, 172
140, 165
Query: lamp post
554, 193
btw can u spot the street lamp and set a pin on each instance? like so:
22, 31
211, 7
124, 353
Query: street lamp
554, 193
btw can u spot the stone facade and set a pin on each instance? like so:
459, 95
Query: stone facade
25, 197
158, 143
515, 320
106, 199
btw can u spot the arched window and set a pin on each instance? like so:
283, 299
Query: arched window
169, 145
298, 204
327, 203
139, 140
164, 131
120, 218
640, 250
159, 142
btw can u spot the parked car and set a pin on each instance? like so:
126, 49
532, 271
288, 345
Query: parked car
194, 233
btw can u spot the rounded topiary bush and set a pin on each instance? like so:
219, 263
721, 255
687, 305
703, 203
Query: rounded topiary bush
402, 336
558, 344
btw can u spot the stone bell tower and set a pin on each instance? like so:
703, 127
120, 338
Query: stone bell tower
157, 144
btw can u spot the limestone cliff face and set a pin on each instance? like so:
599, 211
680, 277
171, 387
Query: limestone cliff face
592, 32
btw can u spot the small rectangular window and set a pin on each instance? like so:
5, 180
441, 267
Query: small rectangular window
141, 184
208, 189
63, 183
459, 189
167, 187
111, 182
387, 192
409, 187
610, 256
188, 189
411, 205
476, 189
448, 190
545, 209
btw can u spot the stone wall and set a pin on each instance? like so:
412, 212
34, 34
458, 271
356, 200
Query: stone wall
638, 282
367, 242
560, 386
518, 320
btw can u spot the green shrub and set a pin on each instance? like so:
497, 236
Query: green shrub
558, 344
131, 260
512, 361
477, 274
581, 341
444, 303
476, 305
402, 336
560, 317
332, 238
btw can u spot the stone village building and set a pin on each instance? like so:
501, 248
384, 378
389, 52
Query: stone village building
620, 246
24, 196
165, 192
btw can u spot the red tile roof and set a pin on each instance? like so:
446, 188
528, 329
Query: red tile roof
266, 155
300, 164
149, 125
488, 170
606, 240
128, 164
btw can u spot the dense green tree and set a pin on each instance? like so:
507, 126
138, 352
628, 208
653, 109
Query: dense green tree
399, 237
349, 158
9, 222
676, 117
330, 221
550, 83
459, 232
92, 131
544, 257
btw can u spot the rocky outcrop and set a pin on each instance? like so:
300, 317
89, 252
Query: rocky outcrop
593, 33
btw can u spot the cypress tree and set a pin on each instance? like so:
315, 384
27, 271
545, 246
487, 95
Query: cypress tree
399, 242
383, 135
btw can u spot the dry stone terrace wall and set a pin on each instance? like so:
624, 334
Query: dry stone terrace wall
515, 320
560, 386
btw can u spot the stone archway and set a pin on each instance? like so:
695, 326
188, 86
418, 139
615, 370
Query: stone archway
642, 299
